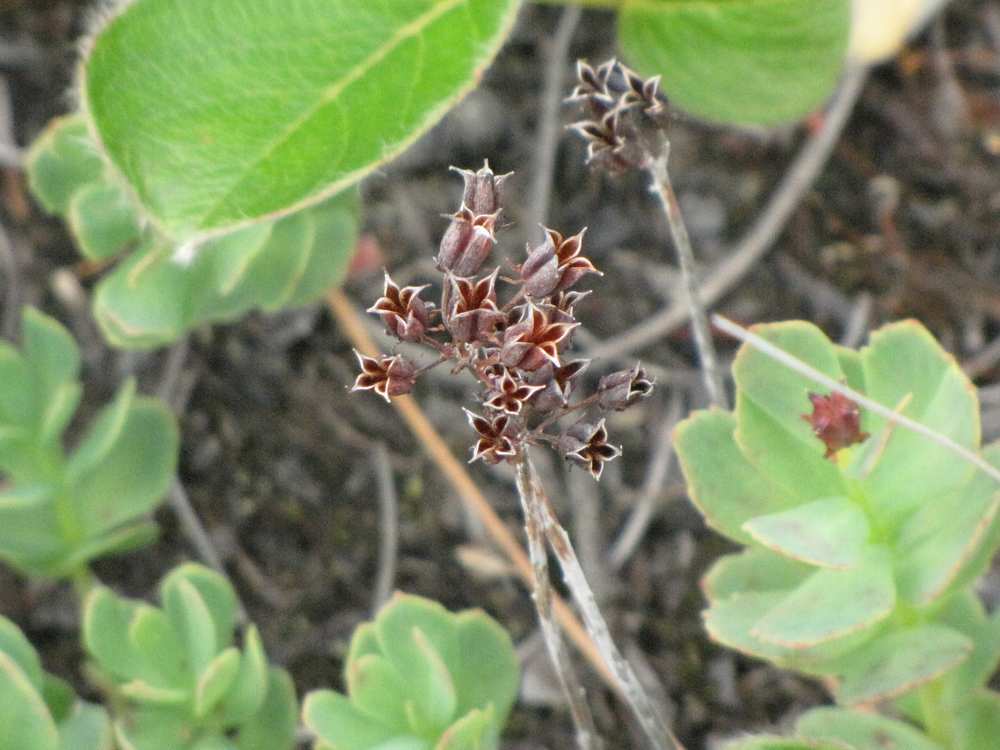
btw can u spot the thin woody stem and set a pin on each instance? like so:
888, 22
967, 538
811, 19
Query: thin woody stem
576, 697
664, 190
629, 687
589, 401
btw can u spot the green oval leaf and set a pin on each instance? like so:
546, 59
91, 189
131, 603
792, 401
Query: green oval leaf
862, 731
25, 723
215, 681
242, 112
742, 61
831, 532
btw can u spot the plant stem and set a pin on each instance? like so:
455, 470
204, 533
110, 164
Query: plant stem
576, 697
664, 190
629, 687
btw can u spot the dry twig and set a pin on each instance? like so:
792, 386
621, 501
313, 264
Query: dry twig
388, 513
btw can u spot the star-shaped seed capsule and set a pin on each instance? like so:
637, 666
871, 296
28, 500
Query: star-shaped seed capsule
403, 313
387, 376
534, 340
587, 444
494, 443
509, 394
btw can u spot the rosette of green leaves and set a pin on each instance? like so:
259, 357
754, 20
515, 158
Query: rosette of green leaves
419, 678
59, 510
154, 294
178, 681
39, 711
856, 569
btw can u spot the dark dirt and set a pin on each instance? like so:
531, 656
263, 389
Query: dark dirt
277, 455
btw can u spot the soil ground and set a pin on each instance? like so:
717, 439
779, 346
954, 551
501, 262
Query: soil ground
277, 456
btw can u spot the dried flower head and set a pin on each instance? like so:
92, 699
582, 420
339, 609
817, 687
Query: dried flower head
836, 420
587, 444
403, 313
387, 376
495, 442
513, 348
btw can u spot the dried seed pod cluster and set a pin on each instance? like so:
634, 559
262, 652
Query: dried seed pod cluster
515, 349
624, 115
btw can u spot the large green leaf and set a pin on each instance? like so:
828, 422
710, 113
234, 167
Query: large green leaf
754, 569
979, 722
224, 113
743, 61
25, 723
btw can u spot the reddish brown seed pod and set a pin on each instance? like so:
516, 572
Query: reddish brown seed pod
836, 420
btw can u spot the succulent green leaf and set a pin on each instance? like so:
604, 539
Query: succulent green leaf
771, 402
831, 604
273, 727
62, 161
152, 297
770, 742
379, 690
103, 220
894, 664
25, 723
486, 672
58, 412
103, 433
118, 541
468, 733
192, 621
903, 360
364, 641
134, 475
58, 696
339, 723
280, 106
250, 686
29, 536
215, 681
18, 407
964, 612
853, 367
772, 60
105, 629
754, 570
978, 724
50, 351
159, 648
731, 622
724, 486
20, 651
831, 532
87, 728
434, 693
143, 692
862, 730
940, 538
154, 728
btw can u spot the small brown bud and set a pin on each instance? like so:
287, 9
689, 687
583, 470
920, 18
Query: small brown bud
467, 242
483, 191
555, 265
622, 389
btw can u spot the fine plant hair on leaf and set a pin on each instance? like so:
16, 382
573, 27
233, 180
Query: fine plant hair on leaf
883, 411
